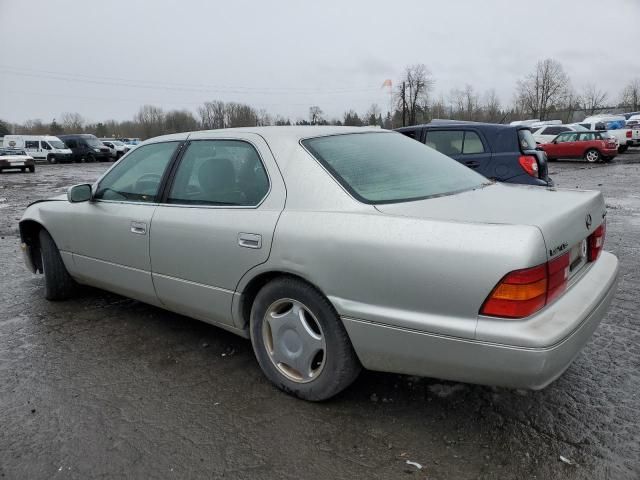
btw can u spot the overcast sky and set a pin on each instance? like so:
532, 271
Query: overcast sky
105, 59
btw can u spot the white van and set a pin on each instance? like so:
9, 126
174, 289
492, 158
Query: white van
40, 147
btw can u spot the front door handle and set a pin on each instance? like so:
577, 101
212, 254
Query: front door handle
139, 228
250, 240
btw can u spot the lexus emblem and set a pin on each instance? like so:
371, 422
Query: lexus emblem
588, 221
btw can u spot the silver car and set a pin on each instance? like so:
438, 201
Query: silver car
334, 249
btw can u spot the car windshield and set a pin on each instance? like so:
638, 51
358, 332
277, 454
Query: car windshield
527, 142
56, 144
93, 141
389, 167
9, 151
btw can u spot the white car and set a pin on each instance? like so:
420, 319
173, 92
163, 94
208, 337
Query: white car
546, 133
13, 159
116, 147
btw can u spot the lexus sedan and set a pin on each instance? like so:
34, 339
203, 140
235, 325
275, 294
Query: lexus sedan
335, 248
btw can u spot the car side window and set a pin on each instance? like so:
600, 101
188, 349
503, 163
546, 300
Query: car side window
448, 142
71, 143
137, 177
31, 144
472, 143
410, 133
219, 172
587, 136
562, 138
45, 145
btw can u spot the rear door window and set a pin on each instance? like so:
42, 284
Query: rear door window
31, 144
219, 173
448, 142
71, 143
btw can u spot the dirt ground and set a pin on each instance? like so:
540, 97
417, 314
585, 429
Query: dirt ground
106, 387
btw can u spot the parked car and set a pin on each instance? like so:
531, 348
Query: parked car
506, 153
592, 146
615, 125
118, 148
40, 147
12, 159
336, 248
546, 133
130, 141
86, 148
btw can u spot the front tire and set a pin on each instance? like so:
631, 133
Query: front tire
58, 284
300, 342
592, 155
52, 159
32, 169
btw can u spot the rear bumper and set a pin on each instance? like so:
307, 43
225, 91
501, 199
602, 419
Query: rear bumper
574, 316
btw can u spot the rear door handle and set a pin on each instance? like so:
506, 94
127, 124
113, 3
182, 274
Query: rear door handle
139, 228
250, 240
472, 164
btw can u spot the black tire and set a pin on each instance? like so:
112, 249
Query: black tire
58, 284
32, 169
341, 365
592, 155
91, 158
52, 159
23, 170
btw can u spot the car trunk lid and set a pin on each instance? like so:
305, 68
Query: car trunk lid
564, 217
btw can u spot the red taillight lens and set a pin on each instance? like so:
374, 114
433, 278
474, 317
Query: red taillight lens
529, 164
596, 242
629, 133
524, 292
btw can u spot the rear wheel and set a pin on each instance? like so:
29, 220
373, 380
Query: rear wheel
58, 284
592, 155
32, 169
51, 159
300, 342
91, 158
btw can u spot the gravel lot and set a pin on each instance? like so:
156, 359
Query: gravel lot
103, 386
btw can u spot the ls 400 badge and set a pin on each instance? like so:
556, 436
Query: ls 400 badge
558, 249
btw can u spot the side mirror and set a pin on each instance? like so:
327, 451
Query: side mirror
79, 193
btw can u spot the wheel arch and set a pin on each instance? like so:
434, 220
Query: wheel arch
253, 285
30, 237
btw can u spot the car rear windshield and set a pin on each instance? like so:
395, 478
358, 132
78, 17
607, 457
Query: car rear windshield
389, 167
527, 141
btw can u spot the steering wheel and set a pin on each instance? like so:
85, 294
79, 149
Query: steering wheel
147, 184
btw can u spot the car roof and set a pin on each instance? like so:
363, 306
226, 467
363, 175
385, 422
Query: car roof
460, 123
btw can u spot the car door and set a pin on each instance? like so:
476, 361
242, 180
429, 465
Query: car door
32, 147
215, 223
572, 146
110, 243
556, 148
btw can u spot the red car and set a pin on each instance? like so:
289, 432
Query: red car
592, 146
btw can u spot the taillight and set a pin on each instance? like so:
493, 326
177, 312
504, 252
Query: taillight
629, 133
596, 241
524, 292
530, 164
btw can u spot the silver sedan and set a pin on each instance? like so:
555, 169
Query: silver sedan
334, 249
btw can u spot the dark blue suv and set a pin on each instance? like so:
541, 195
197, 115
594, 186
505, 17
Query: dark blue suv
506, 153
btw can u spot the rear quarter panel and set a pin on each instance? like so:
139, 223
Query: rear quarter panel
421, 274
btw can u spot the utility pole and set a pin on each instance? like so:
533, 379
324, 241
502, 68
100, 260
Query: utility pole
404, 104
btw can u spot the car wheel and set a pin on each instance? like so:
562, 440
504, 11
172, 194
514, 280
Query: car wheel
592, 155
300, 342
23, 169
58, 284
32, 169
51, 159
91, 158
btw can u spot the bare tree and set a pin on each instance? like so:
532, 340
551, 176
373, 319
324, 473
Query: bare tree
413, 93
72, 122
151, 119
543, 88
264, 118
179, 121
491, 106
631, 95
212, 115
315, 115
592, 98
240, 115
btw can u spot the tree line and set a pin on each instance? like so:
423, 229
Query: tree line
545, 93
